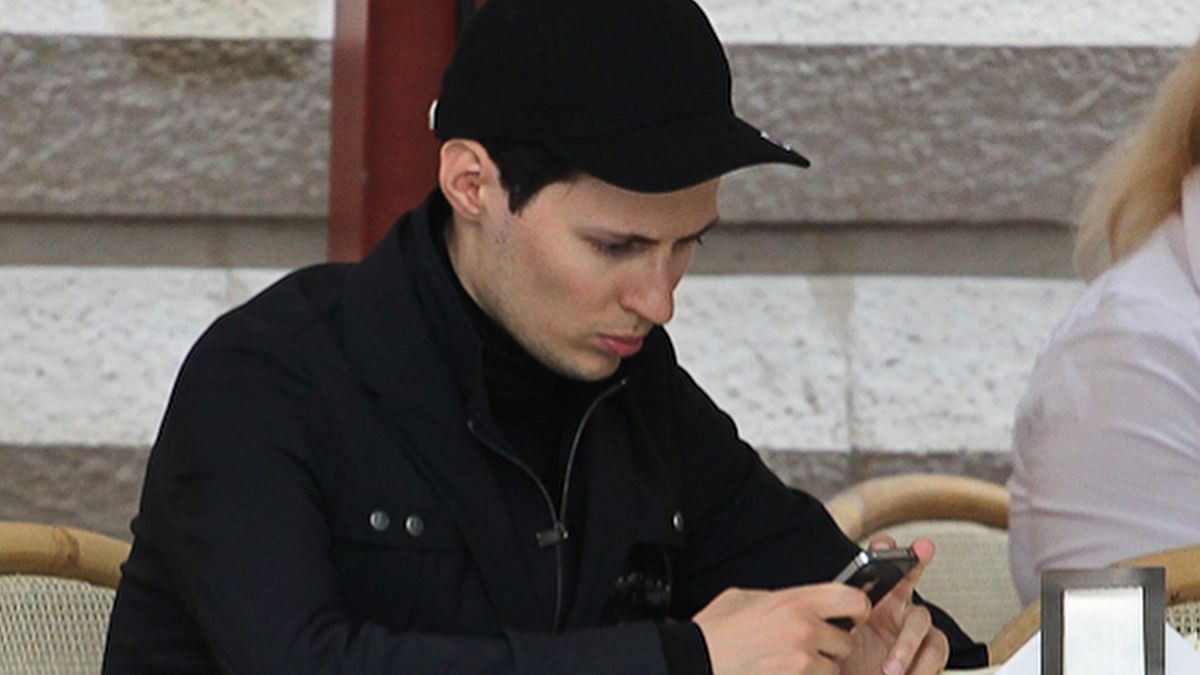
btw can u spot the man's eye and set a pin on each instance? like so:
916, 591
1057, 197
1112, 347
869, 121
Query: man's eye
688, 243
613, 248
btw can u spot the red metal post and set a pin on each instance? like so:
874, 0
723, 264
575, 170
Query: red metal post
388, 58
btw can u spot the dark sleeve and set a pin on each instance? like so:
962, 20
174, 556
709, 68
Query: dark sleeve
237, 500
750, 530
684, 647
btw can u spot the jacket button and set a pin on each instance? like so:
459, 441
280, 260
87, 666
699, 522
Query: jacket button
677, 521
379, 520
414, 525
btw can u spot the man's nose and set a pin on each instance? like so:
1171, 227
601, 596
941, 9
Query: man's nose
652, 295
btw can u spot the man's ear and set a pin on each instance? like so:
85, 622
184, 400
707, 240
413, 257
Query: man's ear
464, 170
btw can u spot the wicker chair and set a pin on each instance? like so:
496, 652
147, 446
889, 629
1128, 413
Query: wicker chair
966, 518
1183, 600
56, 592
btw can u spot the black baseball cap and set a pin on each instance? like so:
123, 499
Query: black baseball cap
634, 92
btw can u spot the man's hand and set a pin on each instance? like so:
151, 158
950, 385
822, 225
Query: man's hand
898, 638
786, 631
781, 631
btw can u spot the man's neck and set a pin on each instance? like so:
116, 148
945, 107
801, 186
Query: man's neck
461, 251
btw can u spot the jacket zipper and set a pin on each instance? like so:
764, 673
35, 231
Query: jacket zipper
558, 533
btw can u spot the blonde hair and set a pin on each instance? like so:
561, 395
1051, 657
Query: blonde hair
1139, 183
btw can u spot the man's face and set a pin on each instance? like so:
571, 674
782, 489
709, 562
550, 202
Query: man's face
586, 269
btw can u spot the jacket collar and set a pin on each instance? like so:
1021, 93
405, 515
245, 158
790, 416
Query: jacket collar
402, 279
411, 343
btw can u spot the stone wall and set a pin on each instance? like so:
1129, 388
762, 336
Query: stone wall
162, 160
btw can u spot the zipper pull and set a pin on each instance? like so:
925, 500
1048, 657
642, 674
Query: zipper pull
553, 536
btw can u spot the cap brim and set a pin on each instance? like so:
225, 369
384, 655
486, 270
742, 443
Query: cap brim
672, 157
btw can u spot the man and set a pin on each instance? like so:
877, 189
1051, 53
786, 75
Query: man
474, 452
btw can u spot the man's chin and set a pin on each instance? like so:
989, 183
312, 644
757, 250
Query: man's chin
594, 375
591, 370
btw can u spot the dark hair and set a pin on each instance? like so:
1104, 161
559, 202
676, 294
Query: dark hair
526, 168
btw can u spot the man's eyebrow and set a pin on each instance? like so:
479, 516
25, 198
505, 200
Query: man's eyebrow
639, 239
704, 230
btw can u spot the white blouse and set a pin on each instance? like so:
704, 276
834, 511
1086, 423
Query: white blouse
1106, 447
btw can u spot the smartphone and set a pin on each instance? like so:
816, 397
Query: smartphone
876, 572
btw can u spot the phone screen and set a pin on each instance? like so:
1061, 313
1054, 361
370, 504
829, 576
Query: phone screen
878, 571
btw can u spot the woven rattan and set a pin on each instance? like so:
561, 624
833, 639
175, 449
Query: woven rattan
56, 592
1185, 617
52, 626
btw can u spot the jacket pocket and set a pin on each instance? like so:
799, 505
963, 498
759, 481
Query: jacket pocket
404, 564
644, 589
397, 523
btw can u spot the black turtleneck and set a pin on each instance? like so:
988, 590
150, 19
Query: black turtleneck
529, 403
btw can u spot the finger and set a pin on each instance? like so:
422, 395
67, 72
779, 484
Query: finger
913, 632
925, 550
881, 541
830, 601
817, 665
932, 656
812, 605
831, 641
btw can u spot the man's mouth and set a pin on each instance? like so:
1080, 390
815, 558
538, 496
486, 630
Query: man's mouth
622, 346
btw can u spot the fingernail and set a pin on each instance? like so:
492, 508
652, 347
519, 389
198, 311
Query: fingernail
893, 667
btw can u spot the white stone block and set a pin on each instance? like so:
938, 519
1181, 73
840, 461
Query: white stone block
1018, 23
768, 351
86, 350
88, 355
214, 19
938, 364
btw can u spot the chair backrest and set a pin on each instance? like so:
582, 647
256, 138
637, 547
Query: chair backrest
56, 592
966, 518
1182, 567
1183, 584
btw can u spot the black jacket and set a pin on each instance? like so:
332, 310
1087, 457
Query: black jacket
329, 494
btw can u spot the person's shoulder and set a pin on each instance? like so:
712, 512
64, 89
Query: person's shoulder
274, 320
290, 304
1128, 329
1148, 296
1125, 340
1155, 280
